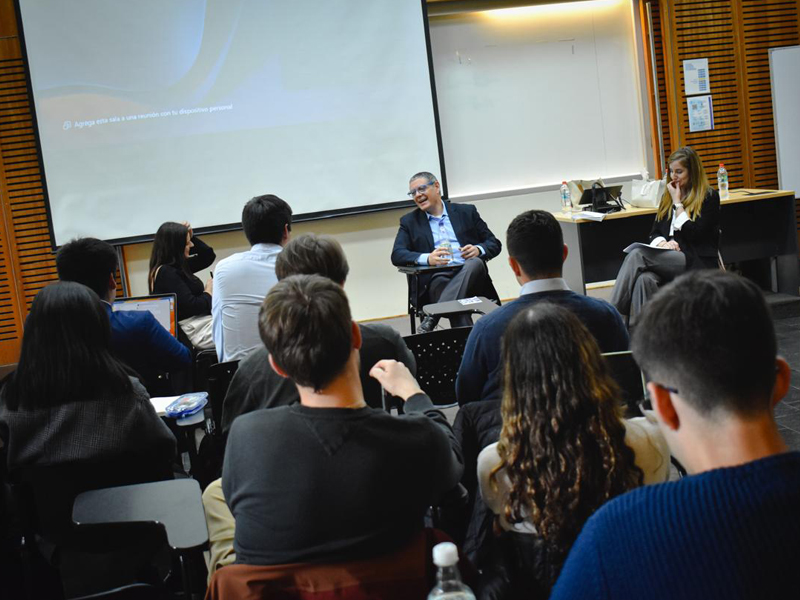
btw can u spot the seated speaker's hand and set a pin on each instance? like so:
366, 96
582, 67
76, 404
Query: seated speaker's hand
440, 256
395, 378
470, 251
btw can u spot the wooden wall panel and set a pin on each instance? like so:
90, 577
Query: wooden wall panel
26, 259
764, 25
706, 29
661, 79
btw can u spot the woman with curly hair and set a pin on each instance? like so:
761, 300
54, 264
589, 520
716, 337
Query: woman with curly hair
563, 450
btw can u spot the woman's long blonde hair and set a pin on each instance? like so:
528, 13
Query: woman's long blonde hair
698, 185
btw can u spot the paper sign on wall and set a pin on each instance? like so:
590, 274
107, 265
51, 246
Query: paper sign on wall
695, 76
701, 113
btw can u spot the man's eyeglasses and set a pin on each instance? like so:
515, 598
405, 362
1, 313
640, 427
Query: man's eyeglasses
647, 404
420, 189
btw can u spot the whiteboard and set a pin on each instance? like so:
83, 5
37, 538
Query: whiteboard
532, 96
784, 65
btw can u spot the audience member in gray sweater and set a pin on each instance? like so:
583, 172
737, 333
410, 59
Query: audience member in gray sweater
329, 478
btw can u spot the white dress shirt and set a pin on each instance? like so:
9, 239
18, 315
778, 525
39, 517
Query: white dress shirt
241, 282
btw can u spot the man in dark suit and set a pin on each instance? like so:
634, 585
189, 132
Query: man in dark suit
137, 338
439, 233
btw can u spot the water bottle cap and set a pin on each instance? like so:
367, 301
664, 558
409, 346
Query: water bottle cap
721, 165
563, 183
445, 554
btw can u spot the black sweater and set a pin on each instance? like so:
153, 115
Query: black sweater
312, 484
192, 299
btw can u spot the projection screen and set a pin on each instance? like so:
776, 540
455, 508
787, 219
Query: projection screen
182, 110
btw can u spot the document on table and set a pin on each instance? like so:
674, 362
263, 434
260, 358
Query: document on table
160, 403
588, 215
635, 245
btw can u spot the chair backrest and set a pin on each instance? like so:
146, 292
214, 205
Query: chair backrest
407, 573
219, 378
438, 356
99, 558
43, 495
629, 378
135, 591
203, 360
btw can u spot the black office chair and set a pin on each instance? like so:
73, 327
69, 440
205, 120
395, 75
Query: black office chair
203, 361
438, 356
416, 293
207, 463
135, 591
219, 378
40, 504
629, 378
115, 560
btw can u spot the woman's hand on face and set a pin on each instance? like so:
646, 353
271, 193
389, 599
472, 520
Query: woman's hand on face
189, 227
675, 191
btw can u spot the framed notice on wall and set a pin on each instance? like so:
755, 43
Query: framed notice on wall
701, 113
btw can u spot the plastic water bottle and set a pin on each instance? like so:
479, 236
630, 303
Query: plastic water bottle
566, 198
448, 580
444, 242
722, 182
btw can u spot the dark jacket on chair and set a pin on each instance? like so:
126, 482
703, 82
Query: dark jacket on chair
698, 239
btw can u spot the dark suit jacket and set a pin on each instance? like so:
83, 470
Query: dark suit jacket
698, 239
414, 237
140, 341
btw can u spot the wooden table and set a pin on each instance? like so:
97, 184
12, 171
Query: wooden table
759, 228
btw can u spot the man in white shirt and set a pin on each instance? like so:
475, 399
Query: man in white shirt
242, 281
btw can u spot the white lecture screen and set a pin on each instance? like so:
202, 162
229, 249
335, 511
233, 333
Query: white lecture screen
182, 110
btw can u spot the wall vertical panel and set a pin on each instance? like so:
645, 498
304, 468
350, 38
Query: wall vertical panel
765, 25
26, 259
706, 29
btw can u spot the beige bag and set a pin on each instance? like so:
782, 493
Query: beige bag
198, 330
647, 194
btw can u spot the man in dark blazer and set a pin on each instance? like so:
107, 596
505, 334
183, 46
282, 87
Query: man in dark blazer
137, 338
438, 233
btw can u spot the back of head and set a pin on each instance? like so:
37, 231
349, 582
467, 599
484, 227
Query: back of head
66, 353
169, 247
560, 407
305, 324
265, 218
709, 334
88, 261
311, 254
534, 239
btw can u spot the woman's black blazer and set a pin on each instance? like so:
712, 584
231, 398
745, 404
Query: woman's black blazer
698, 239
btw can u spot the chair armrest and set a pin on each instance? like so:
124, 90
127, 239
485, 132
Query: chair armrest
420, 269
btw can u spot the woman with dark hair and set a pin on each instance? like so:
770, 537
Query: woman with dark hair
172, 267
70, 399
563, 450
685, 235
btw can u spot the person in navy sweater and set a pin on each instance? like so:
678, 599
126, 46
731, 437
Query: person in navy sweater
536, 253
731, 529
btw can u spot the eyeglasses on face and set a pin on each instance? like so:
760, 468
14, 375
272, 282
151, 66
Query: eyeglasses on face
420, 189
647, 403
